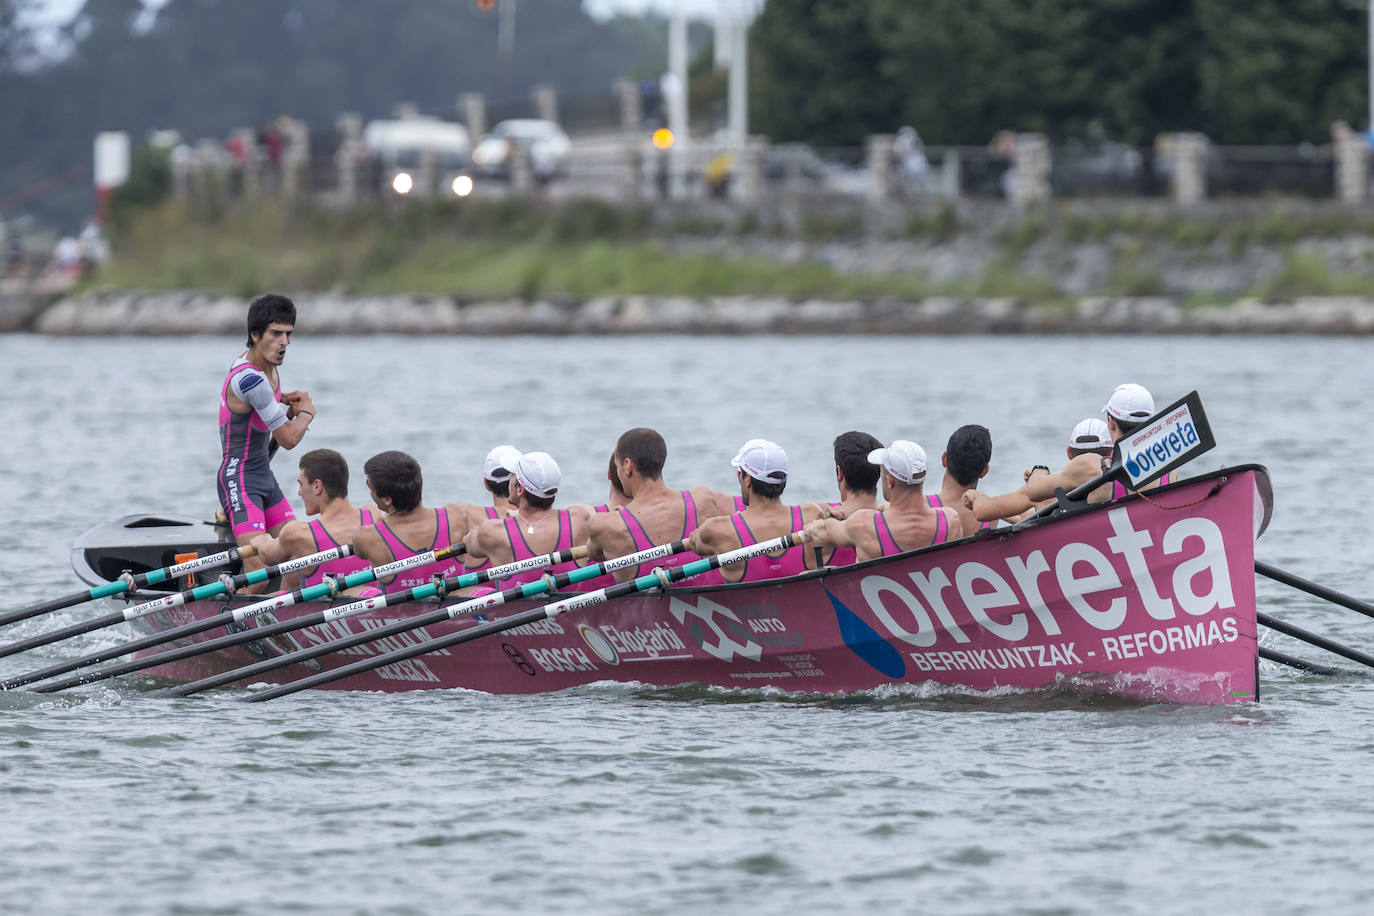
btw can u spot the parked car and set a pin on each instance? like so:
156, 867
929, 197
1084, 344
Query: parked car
398, 151
545, 142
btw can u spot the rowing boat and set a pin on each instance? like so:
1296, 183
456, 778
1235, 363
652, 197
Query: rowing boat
1151, 596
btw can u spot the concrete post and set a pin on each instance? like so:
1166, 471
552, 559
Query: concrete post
1189, 180
951, 173
295, 158
631, 114
1352, 169
1031, 161
346, 160
632, 170
473, 106
749, 178
182, 163
545, 102
879, 166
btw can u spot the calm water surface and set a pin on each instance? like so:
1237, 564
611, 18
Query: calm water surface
627, 799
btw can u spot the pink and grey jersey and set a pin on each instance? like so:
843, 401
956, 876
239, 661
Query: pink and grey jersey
421, 575
768, 566
890, 547
644, 542
336, 568
247, 490
520, 550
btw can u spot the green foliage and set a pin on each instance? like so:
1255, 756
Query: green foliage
149, 184
1308, 275
1274, 71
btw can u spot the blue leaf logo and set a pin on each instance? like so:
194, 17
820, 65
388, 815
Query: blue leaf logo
865, 642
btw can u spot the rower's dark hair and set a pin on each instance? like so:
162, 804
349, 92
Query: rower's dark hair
851, 457
499, 488
540, 502
614, 478
967, 454
395, 476
767, 490
646, 448
266, 309
329, 468
1127, 426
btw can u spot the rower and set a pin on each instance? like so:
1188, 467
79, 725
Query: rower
857, 480
616, 496
965, 461
410, 527
323, 487
253, 414
761, 470
907, 522
1128, 407
535, 528
496, 469
653, 514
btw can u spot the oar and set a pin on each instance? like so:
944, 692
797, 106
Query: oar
148, 607
428, 590
1320, 642
471, 606
152, 577
1283, 658
361, 577
587, 599
1312, 588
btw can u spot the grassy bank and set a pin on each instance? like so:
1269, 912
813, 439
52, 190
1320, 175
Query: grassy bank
582, 249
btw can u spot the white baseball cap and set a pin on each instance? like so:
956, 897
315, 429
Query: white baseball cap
538, 473
500, 461
1091, 434
903, 459
1130, 402
762, 460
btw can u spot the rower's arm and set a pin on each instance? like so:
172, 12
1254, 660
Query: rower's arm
290, 433
707, 540
987, 508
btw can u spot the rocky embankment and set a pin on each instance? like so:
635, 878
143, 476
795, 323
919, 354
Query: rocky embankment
174, 313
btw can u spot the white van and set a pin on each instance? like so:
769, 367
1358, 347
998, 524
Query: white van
420, 156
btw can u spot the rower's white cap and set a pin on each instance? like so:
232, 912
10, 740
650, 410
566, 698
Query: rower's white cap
500, 461
903, 459
762, 460
1130, 402
538, 473
1090, 433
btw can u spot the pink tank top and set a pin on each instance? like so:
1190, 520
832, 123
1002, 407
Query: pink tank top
520, 550
472, 567
843, 556
421, 575
335, 568
788, 563
889, 546
642, 541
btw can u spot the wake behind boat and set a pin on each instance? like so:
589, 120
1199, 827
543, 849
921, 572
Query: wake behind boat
1148, 596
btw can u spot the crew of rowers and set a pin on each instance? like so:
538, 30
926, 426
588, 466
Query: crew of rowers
521, 520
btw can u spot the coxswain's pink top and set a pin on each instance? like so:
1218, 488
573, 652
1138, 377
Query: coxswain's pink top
421, 575
336, 568
889, 546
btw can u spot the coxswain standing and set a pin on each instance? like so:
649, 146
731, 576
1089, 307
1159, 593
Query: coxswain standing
253, 412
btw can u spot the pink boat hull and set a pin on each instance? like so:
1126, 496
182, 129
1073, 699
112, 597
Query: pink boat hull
1152, 599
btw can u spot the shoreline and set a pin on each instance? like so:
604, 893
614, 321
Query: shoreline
110, 312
